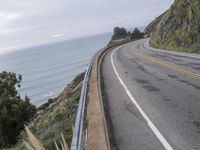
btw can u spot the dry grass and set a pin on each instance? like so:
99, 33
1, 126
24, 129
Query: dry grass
54, 118
56, 145
37, 145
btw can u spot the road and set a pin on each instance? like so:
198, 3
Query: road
152, 98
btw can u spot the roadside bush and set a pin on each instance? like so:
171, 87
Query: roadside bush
14, 112
136, 34
119, 33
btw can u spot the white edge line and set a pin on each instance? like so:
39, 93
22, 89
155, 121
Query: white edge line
150, 123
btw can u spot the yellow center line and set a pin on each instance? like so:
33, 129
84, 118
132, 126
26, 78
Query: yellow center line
172, 67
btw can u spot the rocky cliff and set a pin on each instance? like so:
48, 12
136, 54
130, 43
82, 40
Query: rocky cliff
179, 28
151, 27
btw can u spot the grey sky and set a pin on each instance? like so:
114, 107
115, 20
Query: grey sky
33, 22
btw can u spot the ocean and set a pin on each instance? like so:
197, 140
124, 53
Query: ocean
47, 69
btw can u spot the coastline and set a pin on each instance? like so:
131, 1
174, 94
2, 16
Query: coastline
58, 114
49, 68
55, 116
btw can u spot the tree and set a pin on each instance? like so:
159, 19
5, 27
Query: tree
14, 112
136, 34
119, 33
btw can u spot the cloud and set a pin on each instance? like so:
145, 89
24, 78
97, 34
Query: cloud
57, 35
33, 22
8, 16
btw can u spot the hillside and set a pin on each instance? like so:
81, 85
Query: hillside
55, 117
179, 28
151, 27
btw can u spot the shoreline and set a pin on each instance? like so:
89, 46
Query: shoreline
55, 116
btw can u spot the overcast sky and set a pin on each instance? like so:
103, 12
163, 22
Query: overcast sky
32, 22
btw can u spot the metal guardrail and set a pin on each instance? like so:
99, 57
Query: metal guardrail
78, 130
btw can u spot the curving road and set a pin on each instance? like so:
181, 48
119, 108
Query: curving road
152, 97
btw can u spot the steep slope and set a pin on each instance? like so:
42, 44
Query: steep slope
151, 27
179, 28
55, 117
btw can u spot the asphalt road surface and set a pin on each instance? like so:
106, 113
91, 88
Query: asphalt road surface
153, 97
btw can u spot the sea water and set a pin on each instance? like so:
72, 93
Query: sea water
47, 69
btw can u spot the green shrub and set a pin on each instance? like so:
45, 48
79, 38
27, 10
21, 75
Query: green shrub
14, 112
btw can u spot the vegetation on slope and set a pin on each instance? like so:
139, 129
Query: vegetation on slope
151, 27
179, 28
14, 112
121, 34
55, 117
136, 34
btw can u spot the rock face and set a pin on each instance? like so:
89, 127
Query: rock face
179, 28
151, 27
